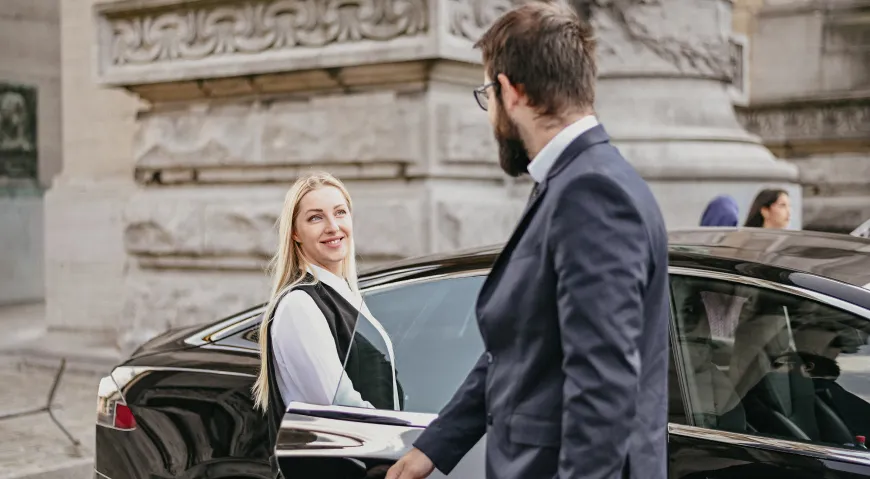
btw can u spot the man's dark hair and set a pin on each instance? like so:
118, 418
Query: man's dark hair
545, 47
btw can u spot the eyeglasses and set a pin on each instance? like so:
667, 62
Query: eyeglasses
482, 96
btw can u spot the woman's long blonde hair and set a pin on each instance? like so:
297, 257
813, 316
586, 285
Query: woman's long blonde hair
289, 266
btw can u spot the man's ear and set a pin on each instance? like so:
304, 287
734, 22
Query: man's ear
511, 95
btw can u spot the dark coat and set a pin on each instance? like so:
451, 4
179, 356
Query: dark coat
574, 316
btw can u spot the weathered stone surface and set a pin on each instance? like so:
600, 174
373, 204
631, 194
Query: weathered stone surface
84, 254
389, 110
157, 227
232, 228
464, 135
835, 120
198, 135
810, 104
827, 57
838, 214
836, 191
364, 128
836, 175
197, 32
155, 301
202, 39
468, 19
389, 227
246, 228
634, 36
202, 222
665, 36
465, 223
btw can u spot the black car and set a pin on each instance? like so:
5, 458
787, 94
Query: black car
770, 371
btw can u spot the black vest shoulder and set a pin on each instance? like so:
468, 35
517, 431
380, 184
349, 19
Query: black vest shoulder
368, 368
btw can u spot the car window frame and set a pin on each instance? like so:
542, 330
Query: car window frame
783, 445
234, 337
387, 288
230, 334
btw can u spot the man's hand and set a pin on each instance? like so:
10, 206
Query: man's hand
413, 465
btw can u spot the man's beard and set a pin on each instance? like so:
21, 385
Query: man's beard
512, 155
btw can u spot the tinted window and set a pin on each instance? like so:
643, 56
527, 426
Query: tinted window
771, 363
434, 337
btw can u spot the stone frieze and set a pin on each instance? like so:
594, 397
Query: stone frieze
624, 27
818, 121
252, 27
360, 129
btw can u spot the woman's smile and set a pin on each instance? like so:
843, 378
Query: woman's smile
333, 242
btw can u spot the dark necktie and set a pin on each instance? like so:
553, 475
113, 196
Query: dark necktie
533, 194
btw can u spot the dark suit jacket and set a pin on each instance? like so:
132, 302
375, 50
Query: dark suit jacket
574, 316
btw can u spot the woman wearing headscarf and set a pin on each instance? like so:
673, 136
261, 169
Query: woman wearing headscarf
721, 211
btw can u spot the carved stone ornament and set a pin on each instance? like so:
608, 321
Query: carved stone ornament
260, 26
645, 23
808, 123
470, 18
616, 22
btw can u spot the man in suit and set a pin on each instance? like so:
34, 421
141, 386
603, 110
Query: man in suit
574, 315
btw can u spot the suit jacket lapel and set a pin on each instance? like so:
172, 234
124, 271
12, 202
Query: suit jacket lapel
575, 148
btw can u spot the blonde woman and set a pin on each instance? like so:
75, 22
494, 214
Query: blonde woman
307, 335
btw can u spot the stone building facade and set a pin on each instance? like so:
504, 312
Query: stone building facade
810, 101
186, 121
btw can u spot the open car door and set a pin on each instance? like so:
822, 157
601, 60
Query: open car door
398, 372
364, 431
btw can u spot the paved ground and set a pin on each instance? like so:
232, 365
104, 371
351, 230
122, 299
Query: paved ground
32, 446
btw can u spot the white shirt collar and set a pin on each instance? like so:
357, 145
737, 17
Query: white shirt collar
544, 160
335, 282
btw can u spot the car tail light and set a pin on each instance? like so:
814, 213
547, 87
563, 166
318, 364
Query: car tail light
112, 408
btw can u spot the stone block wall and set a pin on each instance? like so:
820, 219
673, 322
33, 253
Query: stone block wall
212, 176
810, 103
227, 103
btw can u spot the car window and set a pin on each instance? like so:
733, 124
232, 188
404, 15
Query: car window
429, 334
771, 363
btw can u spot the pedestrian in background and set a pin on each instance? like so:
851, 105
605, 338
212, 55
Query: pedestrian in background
771, 209
574, 313
721, 211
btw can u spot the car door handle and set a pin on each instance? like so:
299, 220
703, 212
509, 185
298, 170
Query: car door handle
309, 431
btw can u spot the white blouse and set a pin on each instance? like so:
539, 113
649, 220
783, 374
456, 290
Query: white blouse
308, 367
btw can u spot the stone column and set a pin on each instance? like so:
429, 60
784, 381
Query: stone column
665, 96
85, 261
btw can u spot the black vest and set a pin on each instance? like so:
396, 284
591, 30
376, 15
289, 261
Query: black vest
368, 369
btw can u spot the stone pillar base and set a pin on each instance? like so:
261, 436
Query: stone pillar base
683, 137
85, 266
837, 196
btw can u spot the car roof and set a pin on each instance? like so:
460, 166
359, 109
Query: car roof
840, 257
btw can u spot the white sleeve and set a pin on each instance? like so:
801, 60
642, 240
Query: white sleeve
305, 350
